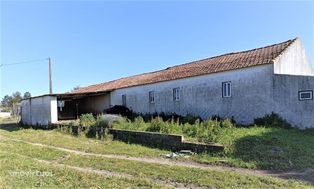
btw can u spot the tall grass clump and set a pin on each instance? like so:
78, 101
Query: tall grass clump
201, 131
205, 131
272, 120
138, 124
100, 122
87, 125
157, 124
87, 120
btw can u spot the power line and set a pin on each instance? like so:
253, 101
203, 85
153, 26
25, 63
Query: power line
32, 61
24, 62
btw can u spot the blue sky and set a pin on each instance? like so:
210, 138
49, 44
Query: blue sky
97, 41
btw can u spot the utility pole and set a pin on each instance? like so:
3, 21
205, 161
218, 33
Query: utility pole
50, 76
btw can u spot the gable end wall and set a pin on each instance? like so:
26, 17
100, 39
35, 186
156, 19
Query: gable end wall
293, 61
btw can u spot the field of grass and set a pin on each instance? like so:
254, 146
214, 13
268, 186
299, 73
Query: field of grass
272, 146
240, 152
60, 177
268, 148
19, 156
264, 148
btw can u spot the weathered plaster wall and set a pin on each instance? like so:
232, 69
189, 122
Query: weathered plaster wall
95, 104
287, 103
293, 61
202, 95
39, 111
26, 111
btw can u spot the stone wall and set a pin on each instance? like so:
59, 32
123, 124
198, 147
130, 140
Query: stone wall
163, 141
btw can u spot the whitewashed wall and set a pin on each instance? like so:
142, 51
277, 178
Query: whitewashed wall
293, 73
202, 95
39, 110
287, 103
26, 111
293, 61
256, 91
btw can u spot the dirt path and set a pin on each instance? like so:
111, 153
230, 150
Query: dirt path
304, 175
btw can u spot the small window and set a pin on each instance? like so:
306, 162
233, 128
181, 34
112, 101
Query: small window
151, 96
124, 100
176, 94
306, 95
226, 89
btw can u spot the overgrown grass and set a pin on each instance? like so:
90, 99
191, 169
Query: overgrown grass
61, 177
143, 172
31, 151
264, 148
274, 146
198, 177
255, 147
59, 139
201, 131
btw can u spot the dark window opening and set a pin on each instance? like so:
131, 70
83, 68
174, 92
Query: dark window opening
124, 100
306, 95
151, 96
226, 89
176, 94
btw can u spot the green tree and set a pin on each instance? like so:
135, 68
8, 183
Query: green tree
6, 101
16, 97
27, 95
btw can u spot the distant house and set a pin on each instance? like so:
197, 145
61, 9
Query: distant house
243, 85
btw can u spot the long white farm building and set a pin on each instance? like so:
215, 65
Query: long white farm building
243, 85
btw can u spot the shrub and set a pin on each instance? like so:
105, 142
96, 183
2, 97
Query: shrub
189, 130
226, 123
189, 118
74, 123
202, 131
157, 125
124, 124
175, 126
87, 120
272, 120
100, 121
106, 120
139, 124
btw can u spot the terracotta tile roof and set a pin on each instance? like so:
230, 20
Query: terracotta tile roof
226, 62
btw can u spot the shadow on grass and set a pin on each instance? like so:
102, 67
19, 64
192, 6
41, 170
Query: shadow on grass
9, 127
287, 152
